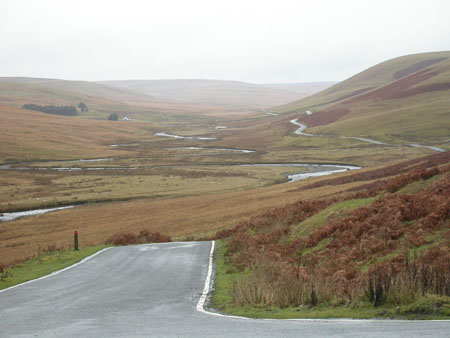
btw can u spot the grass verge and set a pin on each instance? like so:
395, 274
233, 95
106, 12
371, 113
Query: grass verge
428, 307
48, 263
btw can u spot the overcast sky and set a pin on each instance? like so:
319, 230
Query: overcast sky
245, 40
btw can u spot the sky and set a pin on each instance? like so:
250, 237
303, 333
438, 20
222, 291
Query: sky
260, 41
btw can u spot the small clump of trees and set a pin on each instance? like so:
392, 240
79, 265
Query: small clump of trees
113, 117
83, 106
51, 109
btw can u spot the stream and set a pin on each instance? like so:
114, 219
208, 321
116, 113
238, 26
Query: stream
313, 169
10, 216
186, 137
242, 151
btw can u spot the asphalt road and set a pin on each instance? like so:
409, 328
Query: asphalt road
152, 291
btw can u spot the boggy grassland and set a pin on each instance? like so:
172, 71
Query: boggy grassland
145, 181
185, 188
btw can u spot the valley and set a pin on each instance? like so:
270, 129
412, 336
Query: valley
201, 159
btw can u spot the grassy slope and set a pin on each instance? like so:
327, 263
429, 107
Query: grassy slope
420, 116
28, 135
429, 307
305, 88
88, 89
227, 276
101, 99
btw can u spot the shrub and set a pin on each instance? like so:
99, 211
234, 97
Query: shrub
113, 117
127, 238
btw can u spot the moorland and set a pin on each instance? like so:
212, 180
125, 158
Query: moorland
202, 159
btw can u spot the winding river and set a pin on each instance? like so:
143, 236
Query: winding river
312, 170
10, 216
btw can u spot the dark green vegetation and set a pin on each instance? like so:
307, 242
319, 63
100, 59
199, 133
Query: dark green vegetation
113, 117
379, 250
57, 110
52, 259
83, 106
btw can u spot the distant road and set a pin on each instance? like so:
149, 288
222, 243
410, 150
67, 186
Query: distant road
300, 131
152, 291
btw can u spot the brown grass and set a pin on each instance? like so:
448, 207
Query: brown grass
144, 236
400, 88
176, 217
416, 67
324, 117
378, 237
27, 135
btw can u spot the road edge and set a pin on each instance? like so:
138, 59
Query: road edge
206, 291
58, 271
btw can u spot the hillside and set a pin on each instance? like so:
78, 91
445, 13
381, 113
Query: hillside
29, 135
100, 99
342, 252
214, 92
303, 88
405, 99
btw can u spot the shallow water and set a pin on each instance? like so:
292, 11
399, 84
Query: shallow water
243, 151
9, 216
186, 137
314, 170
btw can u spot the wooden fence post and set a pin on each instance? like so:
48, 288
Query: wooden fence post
75, 240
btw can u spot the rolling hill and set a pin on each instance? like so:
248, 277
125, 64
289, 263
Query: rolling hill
303, 88
212, 92
100, 98
29, 135
406, 98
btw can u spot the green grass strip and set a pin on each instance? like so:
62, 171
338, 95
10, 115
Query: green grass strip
48, 263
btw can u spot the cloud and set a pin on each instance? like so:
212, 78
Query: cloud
255, 41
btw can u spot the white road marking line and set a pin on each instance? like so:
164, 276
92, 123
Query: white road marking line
56, 272
189, 245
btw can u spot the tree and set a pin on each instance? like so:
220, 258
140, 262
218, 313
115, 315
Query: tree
58, 110
113, 117
82, 106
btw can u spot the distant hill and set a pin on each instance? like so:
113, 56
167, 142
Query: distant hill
17, 91
406, 97
305, 88
48, 89
27, 135
213, 92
